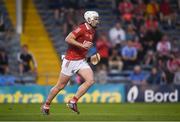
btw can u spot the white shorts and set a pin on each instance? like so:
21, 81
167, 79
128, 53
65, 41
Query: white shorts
70, 67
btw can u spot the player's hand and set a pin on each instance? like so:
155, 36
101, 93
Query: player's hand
87, 44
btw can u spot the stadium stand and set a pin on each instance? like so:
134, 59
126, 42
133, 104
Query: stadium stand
56, 18
9, 41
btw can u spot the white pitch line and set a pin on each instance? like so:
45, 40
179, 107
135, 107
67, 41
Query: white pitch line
90, 114
90, 121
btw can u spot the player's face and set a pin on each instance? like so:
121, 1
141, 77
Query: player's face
25, 49
95, 22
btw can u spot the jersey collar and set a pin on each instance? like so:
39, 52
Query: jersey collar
87, 26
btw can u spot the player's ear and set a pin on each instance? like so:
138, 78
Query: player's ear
88, 20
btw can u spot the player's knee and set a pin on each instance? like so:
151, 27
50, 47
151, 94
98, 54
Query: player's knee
59, 87
55, 89
91, 82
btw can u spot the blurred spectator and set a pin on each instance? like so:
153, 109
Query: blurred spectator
138, 21
173, 64
151, 23
4, 65
24, 59
175, 45
164, 48
142, 33
152, 8
139, 13
125, 6
70, 22
140, 8
150, 58
103, 47
167, 13
138, 77
55, 6
151, 38
154, 78
131, 34
149, 45
115, 62
80, 17
129, 54
125, 10
2, 24
62, 16
101, 75
117, 35
177, 77
138, 46
127, 18
161, 66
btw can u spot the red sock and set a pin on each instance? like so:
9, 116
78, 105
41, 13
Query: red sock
47, 103
75, 99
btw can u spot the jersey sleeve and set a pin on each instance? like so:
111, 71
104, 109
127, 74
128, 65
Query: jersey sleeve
77, 32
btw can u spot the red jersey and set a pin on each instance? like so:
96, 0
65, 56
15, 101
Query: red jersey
82, 33
165, 8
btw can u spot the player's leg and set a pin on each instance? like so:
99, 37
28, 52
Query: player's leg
66, 73
62, 81
88, 76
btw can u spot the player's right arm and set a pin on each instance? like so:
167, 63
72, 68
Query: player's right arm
71, 39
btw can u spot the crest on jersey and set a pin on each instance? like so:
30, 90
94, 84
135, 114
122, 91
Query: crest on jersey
89, 36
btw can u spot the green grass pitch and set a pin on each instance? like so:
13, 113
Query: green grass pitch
93, 112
